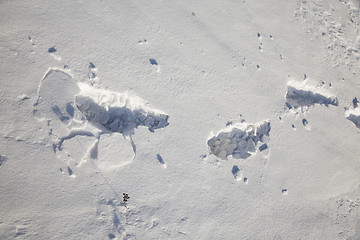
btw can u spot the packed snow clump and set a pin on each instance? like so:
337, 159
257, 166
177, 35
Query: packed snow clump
240, 140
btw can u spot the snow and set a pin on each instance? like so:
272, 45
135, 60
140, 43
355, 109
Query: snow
300, 94
220, 120
117, 112
239, 140
354, 116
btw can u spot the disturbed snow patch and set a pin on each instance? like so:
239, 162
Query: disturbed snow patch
240, 140
118, 112
354, 116
301, 94
78, 115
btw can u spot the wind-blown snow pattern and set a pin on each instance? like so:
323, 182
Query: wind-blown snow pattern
240, 140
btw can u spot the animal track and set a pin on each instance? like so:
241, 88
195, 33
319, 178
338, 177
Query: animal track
53, 52
239, 140
284, 191
153, 61
161, 160
236, 172
303, 94
92, 74
70, 172
143, 42
111, 236
246, 180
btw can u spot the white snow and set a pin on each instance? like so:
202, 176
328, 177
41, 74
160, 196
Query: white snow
101, 98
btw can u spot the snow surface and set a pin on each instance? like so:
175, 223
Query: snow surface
220, 119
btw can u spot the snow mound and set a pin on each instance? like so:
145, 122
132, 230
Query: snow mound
118, 112
301, 94
240, 140
354, 116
